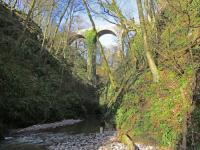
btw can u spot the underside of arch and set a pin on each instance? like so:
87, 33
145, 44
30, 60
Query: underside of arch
103, 32
74, 38
79, 36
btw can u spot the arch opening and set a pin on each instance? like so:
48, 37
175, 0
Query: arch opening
74, 38
110, 42
103, 32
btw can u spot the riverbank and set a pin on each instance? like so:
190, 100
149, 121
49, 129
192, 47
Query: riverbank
66, 135
49, 125
63, 141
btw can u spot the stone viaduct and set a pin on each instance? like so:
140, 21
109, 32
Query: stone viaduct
102, 30
91, 60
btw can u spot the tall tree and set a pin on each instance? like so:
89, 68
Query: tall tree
47, 25
12, 7
31, 9
68, 27
32, 6
59, 22
91, 65
15, 4
111, 78
112, 9
147, 50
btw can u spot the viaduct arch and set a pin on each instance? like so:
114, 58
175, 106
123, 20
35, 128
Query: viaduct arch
91, 60
112, 30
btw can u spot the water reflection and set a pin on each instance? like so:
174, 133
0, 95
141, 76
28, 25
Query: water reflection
87, 126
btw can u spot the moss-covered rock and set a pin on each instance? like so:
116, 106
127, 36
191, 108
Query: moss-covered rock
126, 140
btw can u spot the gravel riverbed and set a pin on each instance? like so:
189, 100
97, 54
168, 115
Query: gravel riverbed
63, 141
34, 138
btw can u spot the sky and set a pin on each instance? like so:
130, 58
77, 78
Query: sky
129, 8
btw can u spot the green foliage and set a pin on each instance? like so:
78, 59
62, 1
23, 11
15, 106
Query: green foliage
90, 38
177, 29
137, 48
155, 111
194, 123
106, 93
35, 86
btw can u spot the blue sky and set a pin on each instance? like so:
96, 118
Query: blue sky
129, 8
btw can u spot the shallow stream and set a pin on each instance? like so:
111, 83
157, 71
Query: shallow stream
80, 136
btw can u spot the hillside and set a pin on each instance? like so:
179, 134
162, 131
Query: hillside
35, 86
72, 68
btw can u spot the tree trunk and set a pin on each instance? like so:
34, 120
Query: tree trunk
59, 45
13, 7
71, 17
91, 65
20, 40
29, 14
111, 78
15, 4
60, 20
47, 26
147, 50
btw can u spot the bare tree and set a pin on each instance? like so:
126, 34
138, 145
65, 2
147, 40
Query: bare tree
32, 6
58, 25
48, 23
127, 25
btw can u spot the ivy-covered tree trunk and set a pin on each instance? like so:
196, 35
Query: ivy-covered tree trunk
147, 50
91, 44
91, 61
95, 40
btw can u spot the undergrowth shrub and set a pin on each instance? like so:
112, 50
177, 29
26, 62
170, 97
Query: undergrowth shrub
155, 112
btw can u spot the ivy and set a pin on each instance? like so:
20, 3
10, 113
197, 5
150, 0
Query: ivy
155, 112
90, 38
